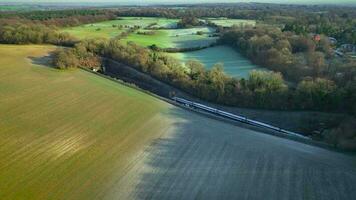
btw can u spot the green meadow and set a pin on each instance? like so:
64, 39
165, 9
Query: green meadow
17, 7
67, 134
175, 38
96, 30
112, 28
234, 63
225, 22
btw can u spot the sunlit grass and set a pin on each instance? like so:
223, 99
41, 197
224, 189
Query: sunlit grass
175, 38
234, 63
67, 134
232, 22
112, 28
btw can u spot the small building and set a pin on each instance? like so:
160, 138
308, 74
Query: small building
317, 37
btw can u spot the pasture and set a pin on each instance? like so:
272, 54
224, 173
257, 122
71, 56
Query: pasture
234, 63
112, 28
74, 135
225, 22
96, 30
18, 7
162, 32
175, 38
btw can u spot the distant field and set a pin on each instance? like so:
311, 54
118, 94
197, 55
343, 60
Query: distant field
97, 30
234, 63
175, 38
164, 38
17, 7
66, 134
231, 22
106, 29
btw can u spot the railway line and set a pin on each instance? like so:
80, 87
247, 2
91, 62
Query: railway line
231, 116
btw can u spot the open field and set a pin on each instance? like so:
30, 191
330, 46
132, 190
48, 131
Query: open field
97, 30
73, 135
65, 134
206, 159
224, 22
164, 38
18, 7
109, 29
175, 38
234, 63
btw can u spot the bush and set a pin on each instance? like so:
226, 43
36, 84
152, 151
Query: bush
64, 59
343, 136
77, 57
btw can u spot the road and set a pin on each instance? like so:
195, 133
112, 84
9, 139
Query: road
201, 158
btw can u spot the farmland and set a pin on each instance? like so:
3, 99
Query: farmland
112, 28
206, 159
17, 7
234, 64
96, 30
65, 134
74, 135
163, 36
175, 38
224, 22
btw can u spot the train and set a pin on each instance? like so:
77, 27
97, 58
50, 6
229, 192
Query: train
224, 114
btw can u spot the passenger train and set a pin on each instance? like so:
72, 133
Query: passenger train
228, 115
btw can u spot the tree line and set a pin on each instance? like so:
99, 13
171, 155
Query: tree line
295, 56
340, 26
31, 33
41, 27
319, 78
58, 18
261, 89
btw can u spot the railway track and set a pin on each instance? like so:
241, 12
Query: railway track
239, 118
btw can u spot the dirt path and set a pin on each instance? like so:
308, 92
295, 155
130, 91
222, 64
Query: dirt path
202, 158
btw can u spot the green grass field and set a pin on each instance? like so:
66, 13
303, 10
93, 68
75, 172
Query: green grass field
164, 38
234, 63
18, 7
67, 134
98, 30
232, 22
106, 30
175, 38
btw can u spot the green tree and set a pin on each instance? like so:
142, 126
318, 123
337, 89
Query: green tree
316, 94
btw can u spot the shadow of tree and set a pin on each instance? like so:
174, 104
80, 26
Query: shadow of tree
43, 60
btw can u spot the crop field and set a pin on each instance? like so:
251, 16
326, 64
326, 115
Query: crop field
65, 134
112, 28
207, 159
175, 38
234, 63
224, 22
74, 135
